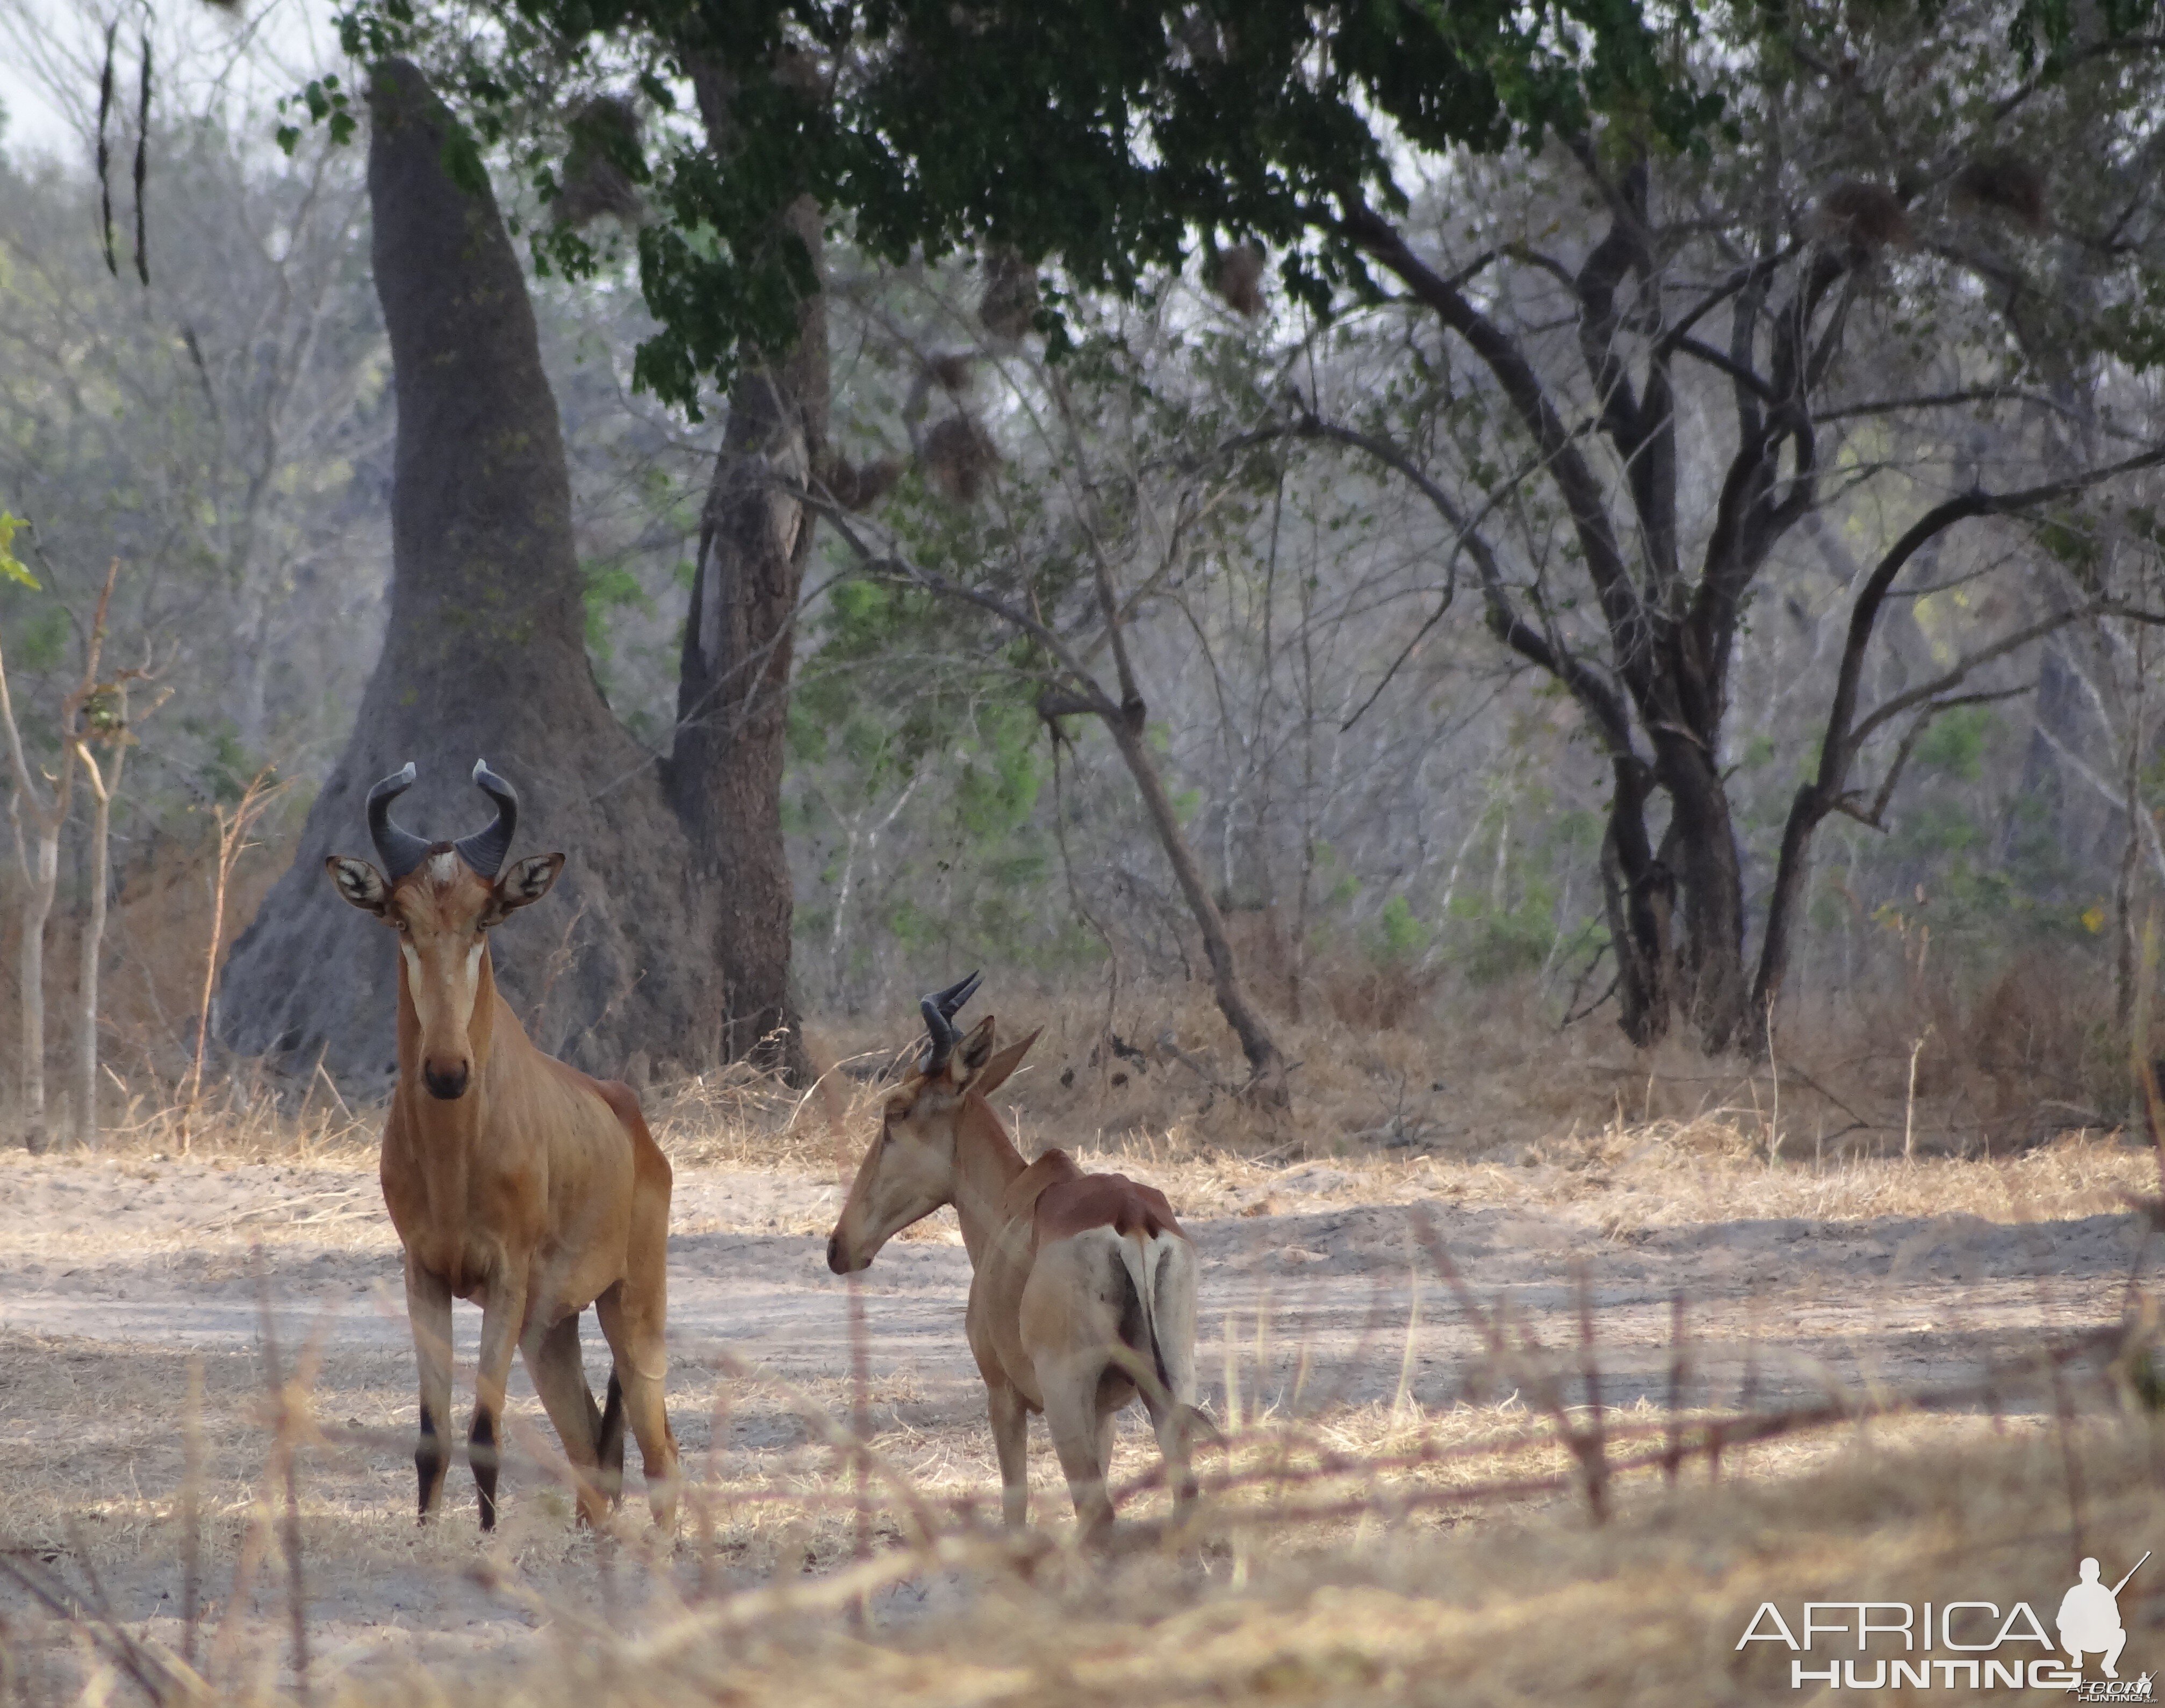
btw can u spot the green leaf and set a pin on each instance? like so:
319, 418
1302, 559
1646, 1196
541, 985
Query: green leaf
11, 566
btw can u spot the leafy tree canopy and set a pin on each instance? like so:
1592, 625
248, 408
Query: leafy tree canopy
1116, 135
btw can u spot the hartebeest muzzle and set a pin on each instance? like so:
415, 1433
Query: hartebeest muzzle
447, 1083
841, 1260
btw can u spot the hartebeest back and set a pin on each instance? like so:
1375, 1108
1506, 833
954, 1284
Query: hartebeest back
514, 1180
1082, 1290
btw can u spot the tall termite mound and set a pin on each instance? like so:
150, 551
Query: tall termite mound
484, 656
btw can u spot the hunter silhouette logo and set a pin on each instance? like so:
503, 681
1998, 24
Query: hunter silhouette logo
2089, 1624
2089, 1619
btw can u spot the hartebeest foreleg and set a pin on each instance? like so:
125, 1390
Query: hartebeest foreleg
429, 1312
502, 1317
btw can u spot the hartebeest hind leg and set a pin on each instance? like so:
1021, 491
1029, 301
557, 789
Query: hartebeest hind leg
611, 1440
429, 1310
1010, 1419
633, 1326
1080, 1436
559, 1377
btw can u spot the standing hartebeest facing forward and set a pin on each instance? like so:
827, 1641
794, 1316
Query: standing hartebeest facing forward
513, 1180
1082, 1290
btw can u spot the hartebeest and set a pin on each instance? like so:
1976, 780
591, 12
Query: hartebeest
1083, 1286
514, 1180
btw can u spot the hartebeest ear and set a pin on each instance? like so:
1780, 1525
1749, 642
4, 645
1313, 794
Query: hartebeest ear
971, 1054
524, 884
360, 883
996, 1070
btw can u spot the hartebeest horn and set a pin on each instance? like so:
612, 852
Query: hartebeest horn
398, 849
485, 849
939, 1010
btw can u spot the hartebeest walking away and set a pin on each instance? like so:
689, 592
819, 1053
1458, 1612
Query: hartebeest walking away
514, 1181
1083, 1286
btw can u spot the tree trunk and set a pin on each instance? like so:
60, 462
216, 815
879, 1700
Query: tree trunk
484, 655
1701, 849
93, 941
1266, 1066
1639, 895
724, 774
2127, 962
1783, 906
43, 878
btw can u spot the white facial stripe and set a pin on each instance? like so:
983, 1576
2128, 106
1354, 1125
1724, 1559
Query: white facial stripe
443, 867
415, 987
472, 991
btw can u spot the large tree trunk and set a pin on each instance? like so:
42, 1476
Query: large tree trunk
724, 774
484, 656
1700, 848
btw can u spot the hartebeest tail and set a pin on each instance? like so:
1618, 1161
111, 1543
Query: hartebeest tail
1163, 1276
514, 1180
1082, 1291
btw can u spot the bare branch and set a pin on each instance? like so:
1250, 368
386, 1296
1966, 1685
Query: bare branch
1584, 494
1757, 273
1956, 673
1875, 817
1736, 370
1945, 400
892, 562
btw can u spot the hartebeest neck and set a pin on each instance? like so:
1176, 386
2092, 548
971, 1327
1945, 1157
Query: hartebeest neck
986, 1164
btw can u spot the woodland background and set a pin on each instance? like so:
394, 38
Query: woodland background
1401, 818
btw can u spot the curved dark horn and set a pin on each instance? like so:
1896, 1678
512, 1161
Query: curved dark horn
941, 1034
485, 849
939, 1010
952, 999
398, 849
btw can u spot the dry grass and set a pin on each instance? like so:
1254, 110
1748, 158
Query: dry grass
1379, 1556
2003, 1063
1645, 1610
1628, 1169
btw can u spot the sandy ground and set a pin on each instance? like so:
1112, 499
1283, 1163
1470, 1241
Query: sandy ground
118, 1278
